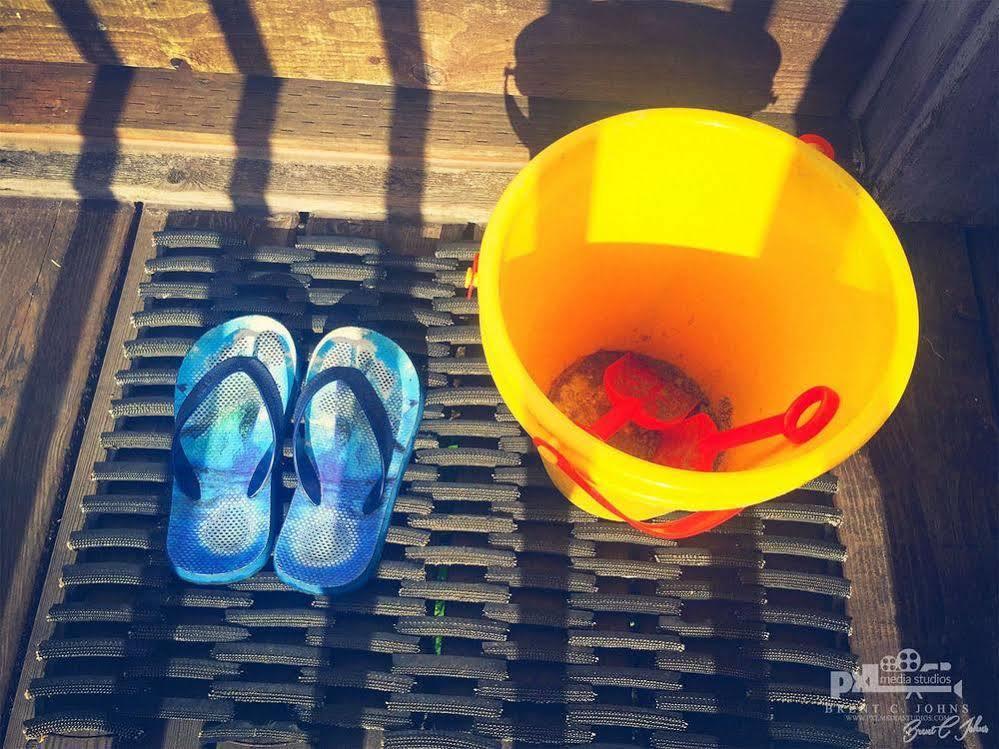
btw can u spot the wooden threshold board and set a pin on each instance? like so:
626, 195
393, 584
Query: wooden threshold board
220, 140
59, 263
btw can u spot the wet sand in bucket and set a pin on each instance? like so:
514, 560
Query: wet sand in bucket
579, 393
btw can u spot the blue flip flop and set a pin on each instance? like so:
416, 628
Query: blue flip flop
354, 425
230, 401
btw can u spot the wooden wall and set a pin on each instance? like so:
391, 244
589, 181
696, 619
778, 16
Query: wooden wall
801, 56
929, 115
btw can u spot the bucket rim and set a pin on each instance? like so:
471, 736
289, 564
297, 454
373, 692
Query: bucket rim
708, 491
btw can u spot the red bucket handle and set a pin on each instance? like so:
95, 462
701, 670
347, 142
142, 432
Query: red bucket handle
693, 524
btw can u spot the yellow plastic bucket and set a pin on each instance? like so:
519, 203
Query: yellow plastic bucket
723, 245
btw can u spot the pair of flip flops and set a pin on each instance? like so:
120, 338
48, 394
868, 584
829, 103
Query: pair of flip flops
354, 423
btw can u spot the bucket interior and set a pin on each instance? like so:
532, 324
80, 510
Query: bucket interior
722, 246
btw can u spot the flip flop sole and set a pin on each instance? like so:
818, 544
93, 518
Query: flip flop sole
334, 547
224, 535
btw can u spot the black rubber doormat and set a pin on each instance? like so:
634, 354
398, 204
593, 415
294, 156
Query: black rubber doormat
500, 616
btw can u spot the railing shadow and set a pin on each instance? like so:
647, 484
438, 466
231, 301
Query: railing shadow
258, 104
36, 415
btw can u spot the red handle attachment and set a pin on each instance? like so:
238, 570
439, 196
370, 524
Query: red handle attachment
819, 143
786, 423
691, 525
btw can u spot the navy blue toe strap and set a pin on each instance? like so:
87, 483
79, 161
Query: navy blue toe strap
374, 411
183, 472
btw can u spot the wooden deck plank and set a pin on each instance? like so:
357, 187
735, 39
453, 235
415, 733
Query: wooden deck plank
59, 263
99, 420
334, 149
781, 54
922, 518
983, 248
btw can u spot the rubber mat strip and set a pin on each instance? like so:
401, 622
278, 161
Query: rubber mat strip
632, 569
626, 602
564, 580
189, 632
191, 264
545, 542
273, 254
217, 598
59, 686
139, 377
632, 678
446, 704
340, 245
413, 263
141, 406
464, 251
200, 238
115, 573
712, 665
145, 539
260, 691
514, 650
182, 668
802, 617
457, 305
724, 629
455, 666
807, 582
81, 723
461, 592
803, 694
464, 492
803, 547
279, 654
531, 732
139, 440
463, 523
245, 732
559, 618
462, 555
453, 626
348, 296
417, 288
375, 605
350, 716
372, 641
808, 732
280, 617
468, 366
625, 715
123, 613
338, 271
467, 457
470, 428
464, 396
656, 642
433, 739
687, 556
706, 590
380, 681
91, 647
564, 693
697, 702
